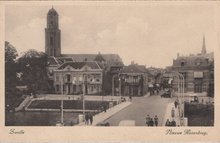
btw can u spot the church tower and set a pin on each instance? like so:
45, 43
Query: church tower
52, 34
203, 46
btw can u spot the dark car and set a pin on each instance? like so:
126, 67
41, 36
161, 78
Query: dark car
167, 93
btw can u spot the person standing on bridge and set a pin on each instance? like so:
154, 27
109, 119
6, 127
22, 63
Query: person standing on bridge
86, 119
151, 122
148, 120
90, 118
172, 113
156, 120
176, 103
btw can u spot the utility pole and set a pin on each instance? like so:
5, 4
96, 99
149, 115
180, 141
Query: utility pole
61, 107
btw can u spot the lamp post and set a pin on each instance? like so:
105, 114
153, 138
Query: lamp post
61, 104
119, 88
84, 93
181, 86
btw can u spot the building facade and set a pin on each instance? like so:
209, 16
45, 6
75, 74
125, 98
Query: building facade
133, 80
72, 77
198, 71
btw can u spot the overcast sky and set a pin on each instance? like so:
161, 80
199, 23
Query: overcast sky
148, 34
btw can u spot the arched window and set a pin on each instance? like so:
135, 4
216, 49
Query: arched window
51, 41
182, 63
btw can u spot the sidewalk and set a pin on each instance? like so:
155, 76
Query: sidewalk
168, 114
105, 115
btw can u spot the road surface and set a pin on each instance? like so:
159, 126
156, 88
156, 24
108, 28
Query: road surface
140, 107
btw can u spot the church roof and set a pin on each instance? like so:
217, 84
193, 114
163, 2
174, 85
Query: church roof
79, 65
114, 59
52, 61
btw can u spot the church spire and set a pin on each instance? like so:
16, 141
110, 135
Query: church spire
203, 45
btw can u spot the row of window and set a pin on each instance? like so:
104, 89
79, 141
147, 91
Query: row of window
67, 78
74, 88
197, 62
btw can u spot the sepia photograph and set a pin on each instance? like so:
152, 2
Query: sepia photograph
110, 65
88, 71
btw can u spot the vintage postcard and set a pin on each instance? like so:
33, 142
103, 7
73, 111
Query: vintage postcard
109, 71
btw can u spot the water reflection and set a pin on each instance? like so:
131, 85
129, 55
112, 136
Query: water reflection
38, 118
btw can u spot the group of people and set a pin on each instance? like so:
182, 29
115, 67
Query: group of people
170, 123
152, 121
154, 89
173, 122
88, 119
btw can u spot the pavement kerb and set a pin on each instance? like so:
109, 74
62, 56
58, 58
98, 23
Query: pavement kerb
105, 115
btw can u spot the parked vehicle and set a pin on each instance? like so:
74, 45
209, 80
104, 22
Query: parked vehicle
167, 93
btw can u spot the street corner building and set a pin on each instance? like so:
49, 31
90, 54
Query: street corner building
197, 70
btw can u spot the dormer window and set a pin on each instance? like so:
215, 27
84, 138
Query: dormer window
207, 60
182, 64
198, 62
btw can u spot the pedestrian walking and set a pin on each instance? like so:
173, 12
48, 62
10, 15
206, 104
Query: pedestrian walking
86, 119
167, 122
172, 113
151, 122
130, 97
173, 123
104, 106
147, 120
156, 120
175, 103
71, 123
90, 118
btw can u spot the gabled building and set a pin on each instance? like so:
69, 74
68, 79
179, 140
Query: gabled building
198, 71
134, 80
70, 77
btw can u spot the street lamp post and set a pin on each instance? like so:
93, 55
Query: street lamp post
119, 92
84, 93
61, 107
181, 87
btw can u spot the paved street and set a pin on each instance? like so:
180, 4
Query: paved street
140, 107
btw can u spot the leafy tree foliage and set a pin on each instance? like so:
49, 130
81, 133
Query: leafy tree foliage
10, 66
33, 65
10, 73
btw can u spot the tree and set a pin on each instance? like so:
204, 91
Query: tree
10, 66
10, 73
33, 65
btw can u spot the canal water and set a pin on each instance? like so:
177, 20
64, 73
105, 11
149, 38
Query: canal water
39, 118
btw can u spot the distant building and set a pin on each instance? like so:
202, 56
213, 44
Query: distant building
155, 75
110, 64
134, 80
198, 71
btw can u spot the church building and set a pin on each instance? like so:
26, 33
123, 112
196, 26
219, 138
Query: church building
68, 71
